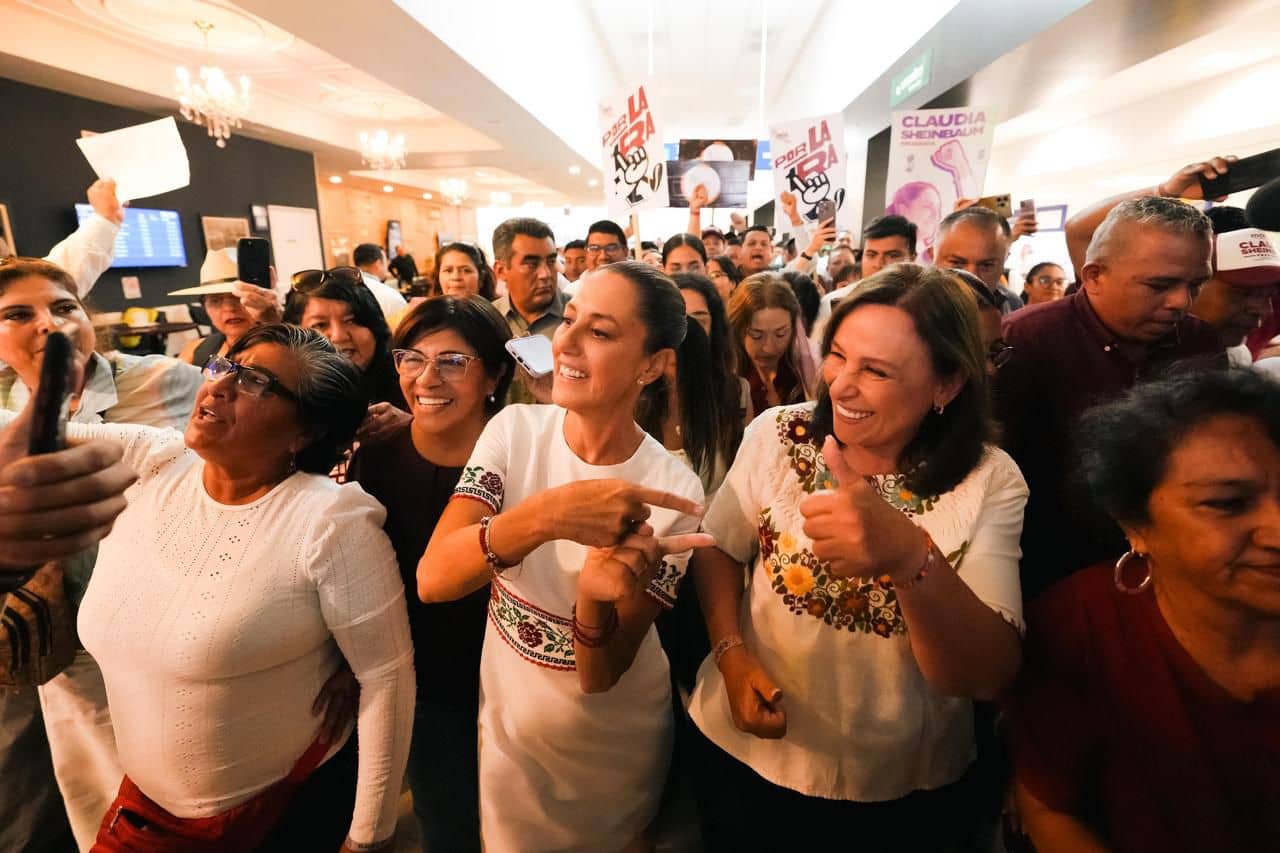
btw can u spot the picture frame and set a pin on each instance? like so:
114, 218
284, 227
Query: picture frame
260, 221
223, 232
7, 245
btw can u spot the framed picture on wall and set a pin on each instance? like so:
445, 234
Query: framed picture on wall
260, 222
222, 232
7, 246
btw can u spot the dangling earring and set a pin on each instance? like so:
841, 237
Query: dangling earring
492, 399
938, 409
1122, 563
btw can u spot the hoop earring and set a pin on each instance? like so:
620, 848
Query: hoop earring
1122, 563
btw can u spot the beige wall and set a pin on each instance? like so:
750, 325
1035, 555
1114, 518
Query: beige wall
350, 216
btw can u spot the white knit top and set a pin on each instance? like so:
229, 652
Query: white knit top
215, 627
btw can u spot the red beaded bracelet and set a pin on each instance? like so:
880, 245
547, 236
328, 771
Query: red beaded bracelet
925, 567
494, 561
592, 637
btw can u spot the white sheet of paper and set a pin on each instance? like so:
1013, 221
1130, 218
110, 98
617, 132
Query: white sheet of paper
144, 160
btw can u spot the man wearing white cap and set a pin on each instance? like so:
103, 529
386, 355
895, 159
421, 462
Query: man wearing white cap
234, 307
1246, 274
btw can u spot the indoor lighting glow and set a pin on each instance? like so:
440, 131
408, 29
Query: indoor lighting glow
479, 174
335, 179
499, 198
574, 170
454, 190
593, 182
212, 102
386, 188
381, 150
427, 196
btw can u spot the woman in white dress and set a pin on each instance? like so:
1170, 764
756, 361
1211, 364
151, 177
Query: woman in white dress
234, 585
575, 713
880, 532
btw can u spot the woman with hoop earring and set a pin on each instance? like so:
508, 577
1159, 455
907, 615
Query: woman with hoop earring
1147, 715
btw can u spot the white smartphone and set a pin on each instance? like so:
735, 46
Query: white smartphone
1027, 206
533, 353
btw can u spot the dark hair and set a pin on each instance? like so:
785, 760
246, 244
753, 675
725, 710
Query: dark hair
661, 307
479, 324
679, 240
722, 371
608, 226
379, 379
366, 254
1224, 218
762, 228
892, 225
728, 267
978, 216
710, 424
575, 244
488, 283
807, 295
15, 267
1125, 444
504, 236
986, 299
712, 231
331, 403
947, 446
732, 239
1043, 265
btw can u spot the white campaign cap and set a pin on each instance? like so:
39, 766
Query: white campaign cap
218, 274
1246, 257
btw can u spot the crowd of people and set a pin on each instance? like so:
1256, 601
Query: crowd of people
848, 541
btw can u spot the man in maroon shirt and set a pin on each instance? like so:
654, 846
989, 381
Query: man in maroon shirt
1128, 321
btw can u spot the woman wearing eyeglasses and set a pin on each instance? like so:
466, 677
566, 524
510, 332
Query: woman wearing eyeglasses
231, 588
455, 373
337, 304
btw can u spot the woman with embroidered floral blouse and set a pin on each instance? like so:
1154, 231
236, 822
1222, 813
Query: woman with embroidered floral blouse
881, 533
575, 697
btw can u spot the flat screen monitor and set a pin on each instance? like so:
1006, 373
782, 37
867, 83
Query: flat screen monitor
148, 238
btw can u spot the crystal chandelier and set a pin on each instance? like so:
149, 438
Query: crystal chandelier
381, 150
454, 190
213, 101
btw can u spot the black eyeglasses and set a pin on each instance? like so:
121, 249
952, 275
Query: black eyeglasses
253, 381
999, 353
305, 281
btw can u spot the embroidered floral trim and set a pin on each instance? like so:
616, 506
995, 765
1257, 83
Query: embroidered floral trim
808, 587
485, 486
892, 487
795, 431
536, 635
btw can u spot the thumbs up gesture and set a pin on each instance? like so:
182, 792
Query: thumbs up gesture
855, 531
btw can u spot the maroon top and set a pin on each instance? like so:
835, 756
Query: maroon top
786, 383
1064, 361
1113, 722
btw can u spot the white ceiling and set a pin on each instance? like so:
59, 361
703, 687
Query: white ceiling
506, 87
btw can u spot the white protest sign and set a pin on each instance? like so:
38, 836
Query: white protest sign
144, 160
808, 169
632, 153
936, 157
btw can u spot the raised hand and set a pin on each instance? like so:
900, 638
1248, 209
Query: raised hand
1185, 183
262, 304
699, 198
787, 200
617, 572
602, 513
855, 531
105, 202
381, 422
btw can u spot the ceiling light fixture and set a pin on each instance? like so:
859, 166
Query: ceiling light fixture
498, 198
386, 188
335, 179
427, 196
593, 182
213, 101
381, 150
574, 170
454, 190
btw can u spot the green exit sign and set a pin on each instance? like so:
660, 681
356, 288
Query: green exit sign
911, 79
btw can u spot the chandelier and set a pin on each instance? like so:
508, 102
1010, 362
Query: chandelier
381, 150
454, 190
213, 101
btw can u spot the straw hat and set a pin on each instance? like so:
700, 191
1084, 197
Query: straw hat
218, 274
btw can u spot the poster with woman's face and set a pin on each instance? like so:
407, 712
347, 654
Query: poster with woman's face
935, 158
